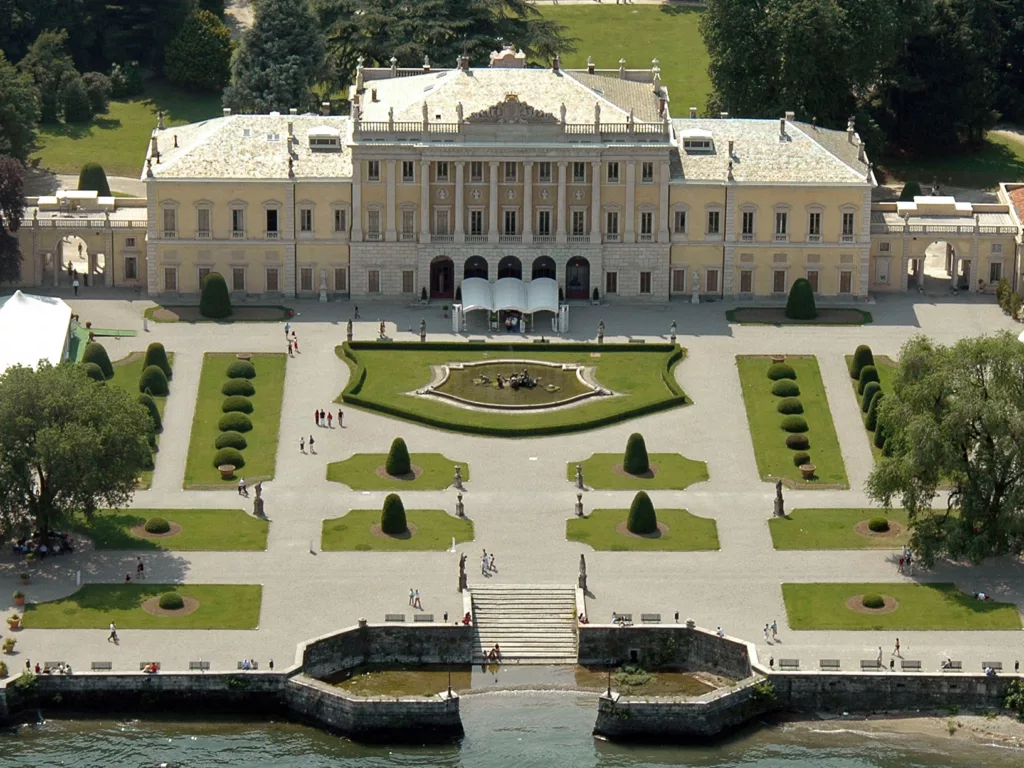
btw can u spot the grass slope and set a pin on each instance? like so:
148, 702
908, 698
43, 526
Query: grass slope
434, 531
127, 372
94, 606
921, 606
999, 159
261, 454
675, 472
686, 532
358, 472
218, 530
833, 529
774, 458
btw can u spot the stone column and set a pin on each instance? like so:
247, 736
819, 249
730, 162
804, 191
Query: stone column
460, 204
628, 234
357, 202
560, 228
390, 232
528, 201
424, 201
108, 261
595, 201
663, 233
492, 205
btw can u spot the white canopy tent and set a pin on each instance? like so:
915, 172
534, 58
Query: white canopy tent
509, 293
33, 328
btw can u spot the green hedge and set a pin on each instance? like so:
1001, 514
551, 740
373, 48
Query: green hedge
788, 405
171, 601
392, 516
157, 525
234, 440
635, 460
799, 459
154, 382
785, 388
97, 353
149, 404
867, 374
642, 518
234, 422
228, 456
861, 356
236, 403
794, 424
94, 371
398, 463
869, 392
242, 387
241, 369
157, 355
779, 371
798, 442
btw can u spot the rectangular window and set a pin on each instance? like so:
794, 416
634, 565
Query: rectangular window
340, 279
238, 222
373, 170
408, 280
272, 222
408, 221
812, 278
272, 280
305, 219
645, 282
441, 171
781, 223
131, 268
544, 223
476, 222
129, 242
714, 222
170, 222
646, 222
170, 279
373, 281
238, 279
814, 224
746, 281
848, 224
747, 223
678, 280
884, 247
611, 282
373, 222
778, 281
679, 222
544, 172
613, 173
511, 170
579, 173
647, 173
306, 279
408, 171
613, 222
203, 222
510, 223
340, 220
476, 172
441, 221
995, 271
201, 274
579, 222
846, 281
996, 248
711, 281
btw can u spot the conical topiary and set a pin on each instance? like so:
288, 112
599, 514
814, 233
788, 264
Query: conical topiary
398, 458
149, 404
94, 371
867, 374
871, 420
214, 301
635, 460
93, 177
881, 435
642, 518
869, 391
392, 516
96, 353
156, 355
800, 305
862, 356
153, 382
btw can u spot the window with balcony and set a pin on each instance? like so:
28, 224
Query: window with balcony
747, 226
544, 172
510, 171
714, 222
170, 222
579, 223
612, 224
476, 222
441, 221
848, 225
510, 223
408, 171
340, 220
373, 170
305, 219
814, 226
441, 171
613, 173
579, 173
203, 223
272, 221
679, 222
611, 282
238, 223
646, 225
373, 224
476, 172
781, 226
647, 173
408, 223
645, 282
544, 223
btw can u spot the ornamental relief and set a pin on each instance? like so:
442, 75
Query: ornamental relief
442, 194
512, 111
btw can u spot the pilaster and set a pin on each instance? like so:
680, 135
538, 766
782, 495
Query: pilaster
595, 202
864, 248
424, 201
492, 204
628, 233
560, 229
390, 229
357, 202
460, 203
729, 241
663, 234
527, 201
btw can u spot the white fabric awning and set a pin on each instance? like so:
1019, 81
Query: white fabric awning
33, 328
510, 293
476, 294
543, 295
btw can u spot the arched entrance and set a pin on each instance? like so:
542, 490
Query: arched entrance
76, 259
476, 266
577, 278
510, 266
543, 266
442, 278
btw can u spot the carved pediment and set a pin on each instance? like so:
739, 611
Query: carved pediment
512, 111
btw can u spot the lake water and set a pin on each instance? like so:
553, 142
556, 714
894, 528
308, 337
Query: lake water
503, 730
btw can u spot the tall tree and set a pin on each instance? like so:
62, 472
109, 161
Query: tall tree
199, 58
12, 209
51, 67
19, 111
956, 416
67, 444
141, 30
279, 59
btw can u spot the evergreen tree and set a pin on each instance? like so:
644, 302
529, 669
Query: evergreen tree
910, 190
92, 176
97, 85
76, 107
12, 209
199, 58
19, 111
50, 66
141, 30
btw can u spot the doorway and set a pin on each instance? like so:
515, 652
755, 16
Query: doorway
577, 278
442, 278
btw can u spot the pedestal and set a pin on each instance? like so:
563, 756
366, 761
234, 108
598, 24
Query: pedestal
257, 507
780, 508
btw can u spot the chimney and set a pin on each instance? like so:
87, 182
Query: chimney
160, 120
325, 106
464, 63
590, 65
729, 172
154, 149
661, 106
723, 115
693, 113
291, 129
373, 94
226, 111
860, 152
293, 111
791, 116
556, 63
176, 143
849, 130
782, 129
732, 145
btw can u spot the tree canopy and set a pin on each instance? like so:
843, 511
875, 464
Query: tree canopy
19, 111
199, 58
955, 418
12, 209
67, 444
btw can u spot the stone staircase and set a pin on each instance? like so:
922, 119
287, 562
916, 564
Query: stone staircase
533, 624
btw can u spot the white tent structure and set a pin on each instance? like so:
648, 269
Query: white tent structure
509, 293
33, 328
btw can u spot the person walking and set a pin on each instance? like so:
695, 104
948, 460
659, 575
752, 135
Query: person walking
241, 487
316, 416
311, 441
775, 630
290, 348
295, 341
879, 659
140, 569
357, 313
767, 636
287, 329
412, 595
330, 418
490, 565
323, 417
74, 284
113, 634
416, 601
896, 650
483, 564
302, 445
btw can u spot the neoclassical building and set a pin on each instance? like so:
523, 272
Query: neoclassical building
590, 177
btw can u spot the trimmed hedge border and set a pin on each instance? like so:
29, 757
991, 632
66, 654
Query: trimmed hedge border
350, 395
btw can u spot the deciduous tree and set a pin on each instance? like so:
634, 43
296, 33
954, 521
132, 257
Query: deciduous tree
12, 209
50, 66
19, 110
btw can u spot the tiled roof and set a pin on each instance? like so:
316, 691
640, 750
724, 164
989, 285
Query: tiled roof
1017, 200
238, 147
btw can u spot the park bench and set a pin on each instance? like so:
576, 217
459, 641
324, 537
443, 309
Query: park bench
202, 666
637, 341
955, 666
394, 617
869, 664
51, 666
789, 665
829, 665
650, 618
906, 665
252, 665
624, 618
144, 664
423, 617
102, 666
995, 666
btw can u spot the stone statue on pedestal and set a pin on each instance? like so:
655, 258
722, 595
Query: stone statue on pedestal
462, 573
583, 573
780, 508
579, 504
323, 285
257, 503
457, 481
348, 330
695, 297
600, 332
423, 330
579, 476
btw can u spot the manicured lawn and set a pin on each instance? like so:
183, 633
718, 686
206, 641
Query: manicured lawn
774, 458
261, 453
921, 606
127, 372
434, 531
686, 532
639, 33
358, 472
94, 606
887, 368
675, 472
270, 313
777, 316
834, 529
642, 375
201, 529
999, 159
118, 139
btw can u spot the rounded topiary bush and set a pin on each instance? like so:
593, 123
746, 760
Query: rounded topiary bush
242, 387
881, 436
392, 516
798, 442
789, 405
171, 601
149, 404
234, 422
93, 177
642, 518
241, 369
871, 419
154, 381
785, 388
878, 524
236, 403
874, 600
228, 456
799, 459
867, 374
781, 371
869, 391
94, 371
862, 356
156, 355
157, 525
635, 461
97, 353
215, 300
234, 440
800, 305
794, 423
398, 462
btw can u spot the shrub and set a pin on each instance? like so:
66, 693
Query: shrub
878, 524
1003, 291
874, 600
781, 371
236, 403
871, 420
215, 301
798, 442
392, 516
881, 435
799, 459
171, 601
74, 97
867, 373
794, 424
148, 463
92, 176
242, 387
910, 190
1014, 304
228, 456
149, 404
96, 353
869, 391
800, 305
861, 356
153, 381
790, 405
157, 355
398, 462
199, 58
234, 440
94, 371
157, 525
125, 80
635, 460
642, 518
241, 369
785, 388
234, 422
97, 88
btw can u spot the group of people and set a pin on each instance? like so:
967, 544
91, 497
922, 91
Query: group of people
494, 654
487, 566
414, 598
60, 669
324, 418
906, 564
514, 323
39, 545
292, 338
771, 632
152, 668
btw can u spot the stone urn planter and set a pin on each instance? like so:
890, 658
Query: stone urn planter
25, 577
778, 359
227, 471
14, 622
807, 470
19, 599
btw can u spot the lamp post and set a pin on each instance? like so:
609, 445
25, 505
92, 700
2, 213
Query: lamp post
672, 331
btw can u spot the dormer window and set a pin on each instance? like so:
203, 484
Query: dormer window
324, 138
273, 137
697, 140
